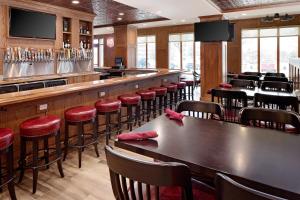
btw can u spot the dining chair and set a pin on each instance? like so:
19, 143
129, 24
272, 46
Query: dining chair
252, 73
228, 189
276, 102
243, 83
287, 121
250, 77
276, 86
137, 179
201, 109
232, 101
275, 78
275, 74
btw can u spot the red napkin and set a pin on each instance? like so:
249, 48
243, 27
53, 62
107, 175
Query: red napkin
225, 85
137, 136
174, 115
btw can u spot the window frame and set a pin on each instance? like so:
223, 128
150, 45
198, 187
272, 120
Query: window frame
99, 53
146, 43
278, 36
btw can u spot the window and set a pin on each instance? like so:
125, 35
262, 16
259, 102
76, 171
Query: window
98, 52
146, 52
269, 49
184, 53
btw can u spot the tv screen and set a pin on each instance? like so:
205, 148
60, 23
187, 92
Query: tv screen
31, 24
214, 31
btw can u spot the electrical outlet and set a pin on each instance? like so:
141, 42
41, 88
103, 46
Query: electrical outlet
101, 94
136, 86
43, 107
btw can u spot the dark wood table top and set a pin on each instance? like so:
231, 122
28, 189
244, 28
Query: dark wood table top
250, 93
268, 158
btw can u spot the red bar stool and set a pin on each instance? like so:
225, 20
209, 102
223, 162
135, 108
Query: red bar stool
108, 108
80, 116
6, 149
131, 101
173, 97
181, 90
148, 103
161, 94
35, 130
190, 87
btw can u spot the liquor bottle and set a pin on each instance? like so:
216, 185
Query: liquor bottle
81, 29
68, 44
88, 44
66, 26
87, 30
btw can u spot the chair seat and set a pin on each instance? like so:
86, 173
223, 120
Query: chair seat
180, 85
108, 105
80, 114
6, 138
40, 126
171, 88
130, 99
147, 94
160, 91
189, 82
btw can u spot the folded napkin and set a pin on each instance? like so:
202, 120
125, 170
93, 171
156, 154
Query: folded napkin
225, 85
174, 115
137, 136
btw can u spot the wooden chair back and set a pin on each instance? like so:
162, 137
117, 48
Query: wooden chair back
228, 189
232, 102
201, 109
273, 119
277, 86
252, 73
276, 102
127, 173
275, 74
248, 77
243, 83
275, 78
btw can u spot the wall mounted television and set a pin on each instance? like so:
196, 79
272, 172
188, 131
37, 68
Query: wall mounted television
32, 24
214, 31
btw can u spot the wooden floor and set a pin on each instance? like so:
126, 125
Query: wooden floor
91, 182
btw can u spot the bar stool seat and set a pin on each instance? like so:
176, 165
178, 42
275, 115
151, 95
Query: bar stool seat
130, 99
40, 126
180, 85
6, 138
160, 91
80, 113
108, 105
171, 88
147, 94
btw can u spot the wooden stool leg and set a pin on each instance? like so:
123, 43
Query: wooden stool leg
171, 100
154, 107
58, 154
148, 110
138, 115
95, 122
184, 94
130, 117
66, 140
35, 146
143, 110
80, 143
176, 98
107, 128
120, 121
160, 104
22, 162
10, 170
165, 101
46, 152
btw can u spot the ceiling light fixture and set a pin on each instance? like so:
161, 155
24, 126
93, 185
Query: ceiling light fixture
244, 14
119, 18
75, 2
183, 20
121, 14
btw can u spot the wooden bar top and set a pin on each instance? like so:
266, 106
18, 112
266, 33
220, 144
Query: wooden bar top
24, 96
44, 77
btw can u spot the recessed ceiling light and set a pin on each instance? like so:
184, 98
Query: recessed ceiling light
183, 20
121, 14
75, 2
244, 14
119, 18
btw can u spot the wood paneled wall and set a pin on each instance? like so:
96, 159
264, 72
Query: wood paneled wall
162, 40
60, 12
234, 48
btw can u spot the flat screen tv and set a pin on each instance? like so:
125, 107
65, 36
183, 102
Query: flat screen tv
214, 31
32, 24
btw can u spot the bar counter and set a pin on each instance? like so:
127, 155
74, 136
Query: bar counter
18, 106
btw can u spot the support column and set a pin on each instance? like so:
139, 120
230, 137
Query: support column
212, 71
126, 44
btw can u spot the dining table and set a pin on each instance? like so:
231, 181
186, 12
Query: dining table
263, 159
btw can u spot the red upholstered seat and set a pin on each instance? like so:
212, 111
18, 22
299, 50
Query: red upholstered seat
171, 88
180, 85
108, 105
80, 113
6, 138
189, 82
130, 99
147, 94
40, 126
160, 91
